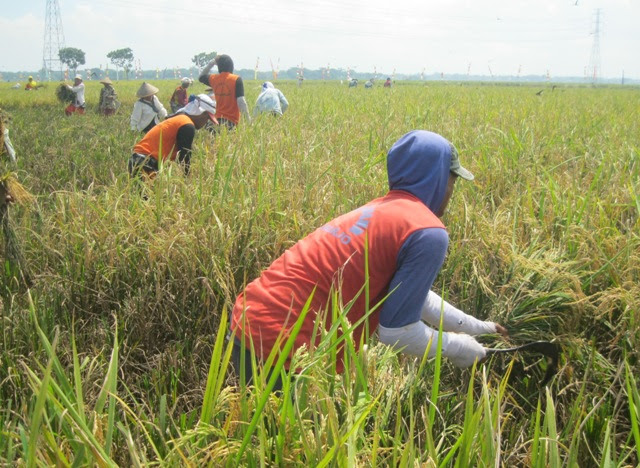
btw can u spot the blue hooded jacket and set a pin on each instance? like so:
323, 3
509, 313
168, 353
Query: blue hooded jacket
418, 163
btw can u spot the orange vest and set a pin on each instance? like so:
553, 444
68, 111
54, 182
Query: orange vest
332, 257
224, 87
166, 133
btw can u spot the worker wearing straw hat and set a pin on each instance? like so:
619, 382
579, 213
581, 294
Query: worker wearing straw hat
172, 138
77, 106
179, 98
108, 104
380, 261
148, 111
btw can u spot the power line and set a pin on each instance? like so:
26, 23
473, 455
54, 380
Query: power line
389, 25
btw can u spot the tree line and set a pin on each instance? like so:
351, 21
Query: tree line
122, 59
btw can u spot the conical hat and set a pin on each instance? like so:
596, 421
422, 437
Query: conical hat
146, 90
106, 80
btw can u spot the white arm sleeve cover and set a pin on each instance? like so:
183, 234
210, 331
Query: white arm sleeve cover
135, 117
244, 107
414, 338
454, 319
8, 146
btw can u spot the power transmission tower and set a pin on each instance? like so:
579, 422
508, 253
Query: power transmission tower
53, 39
594, 69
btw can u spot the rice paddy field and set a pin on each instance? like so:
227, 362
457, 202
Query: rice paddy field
114, 307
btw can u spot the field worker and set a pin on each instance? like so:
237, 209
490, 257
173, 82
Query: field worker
174, 136
407, 244
31, 84
353, 83
148, 110
369, 84
387, 84
78, 103
270, 100
109, 103
5, 142
179, 98
229, 92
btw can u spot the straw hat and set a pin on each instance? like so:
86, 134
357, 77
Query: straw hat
146, 90
106, 80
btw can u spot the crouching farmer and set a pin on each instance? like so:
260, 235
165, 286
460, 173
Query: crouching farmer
407, 244
173, 136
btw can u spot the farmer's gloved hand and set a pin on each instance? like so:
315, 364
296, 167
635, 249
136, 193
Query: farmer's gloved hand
463, 350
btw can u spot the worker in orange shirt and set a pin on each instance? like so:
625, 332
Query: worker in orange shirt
229, 92
174, 136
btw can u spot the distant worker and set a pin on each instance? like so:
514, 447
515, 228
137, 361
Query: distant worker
387, 84
5, 142
369, 84
109, 103
78, 103
300, 79
180, 97
31, 84
229, 92
270, 100
353, 83
174, 136
148, 111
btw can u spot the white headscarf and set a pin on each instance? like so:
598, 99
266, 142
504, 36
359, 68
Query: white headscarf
200, 104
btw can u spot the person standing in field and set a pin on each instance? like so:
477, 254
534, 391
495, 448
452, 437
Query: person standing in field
148, 111
403, 242
270, 100
108, 104
179, 98
172, 139
78, 103
31, 84
229, 92
387, 84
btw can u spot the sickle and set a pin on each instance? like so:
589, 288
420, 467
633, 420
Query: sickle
550, 350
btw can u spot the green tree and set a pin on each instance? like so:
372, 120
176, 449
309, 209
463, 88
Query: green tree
122, 58
72, 57
201, 59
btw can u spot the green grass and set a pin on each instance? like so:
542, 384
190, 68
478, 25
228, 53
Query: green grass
116, 354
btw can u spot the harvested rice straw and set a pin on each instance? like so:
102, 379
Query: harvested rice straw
64, 94
12, 191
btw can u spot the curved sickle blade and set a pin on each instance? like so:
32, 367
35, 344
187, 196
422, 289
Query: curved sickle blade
550, 350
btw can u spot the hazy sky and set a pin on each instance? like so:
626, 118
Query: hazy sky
502, 37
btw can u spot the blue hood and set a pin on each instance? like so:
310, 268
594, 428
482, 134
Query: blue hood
419, 163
